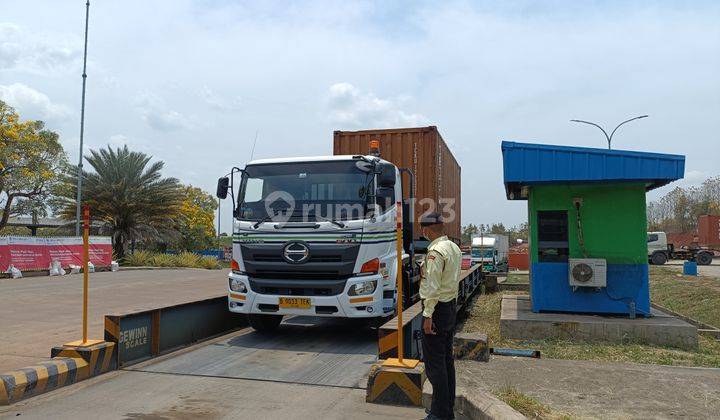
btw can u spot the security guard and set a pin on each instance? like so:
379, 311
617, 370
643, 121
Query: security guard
439, 290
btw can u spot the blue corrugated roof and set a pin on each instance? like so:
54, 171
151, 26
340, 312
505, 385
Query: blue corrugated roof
527, 164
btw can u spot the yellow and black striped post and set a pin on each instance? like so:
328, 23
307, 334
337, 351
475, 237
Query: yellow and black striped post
67, 366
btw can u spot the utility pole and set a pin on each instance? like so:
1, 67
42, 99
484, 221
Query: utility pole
609, 138
82, 125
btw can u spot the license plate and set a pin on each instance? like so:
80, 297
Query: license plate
294, 303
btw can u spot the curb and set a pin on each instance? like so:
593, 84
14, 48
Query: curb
67, 366
475, 404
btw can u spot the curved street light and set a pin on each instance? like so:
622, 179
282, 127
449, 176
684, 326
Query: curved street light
609, 138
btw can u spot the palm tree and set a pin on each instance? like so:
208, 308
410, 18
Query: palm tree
128, 195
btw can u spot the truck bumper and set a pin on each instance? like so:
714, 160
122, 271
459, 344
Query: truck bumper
340, 306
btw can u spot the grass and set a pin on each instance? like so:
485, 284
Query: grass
514, 278
527, 405
696, 297
183, 259
485, 318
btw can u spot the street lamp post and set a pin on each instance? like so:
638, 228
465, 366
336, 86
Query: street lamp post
82, 125
609, 138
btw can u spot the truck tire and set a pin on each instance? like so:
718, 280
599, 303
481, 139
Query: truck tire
265, 323
704, 258
658, 258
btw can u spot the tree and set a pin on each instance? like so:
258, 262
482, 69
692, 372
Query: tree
128, 195
467, 233
498, 228
678, 210
521, 231
30, 160
195, 225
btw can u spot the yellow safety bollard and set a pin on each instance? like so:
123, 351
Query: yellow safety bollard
400, 361
397, 381
86, 258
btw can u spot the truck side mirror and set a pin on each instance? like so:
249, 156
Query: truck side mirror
222, 188
386, 175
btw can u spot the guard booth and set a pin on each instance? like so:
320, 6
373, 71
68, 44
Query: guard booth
588, 226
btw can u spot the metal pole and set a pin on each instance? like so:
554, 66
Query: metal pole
399, 283
82, 125
86, 258
609, 137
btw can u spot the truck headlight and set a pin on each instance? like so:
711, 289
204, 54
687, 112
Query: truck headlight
363, 288
237, 286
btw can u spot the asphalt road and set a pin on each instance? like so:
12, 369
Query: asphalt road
37, 313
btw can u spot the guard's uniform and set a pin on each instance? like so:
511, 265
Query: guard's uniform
439, 290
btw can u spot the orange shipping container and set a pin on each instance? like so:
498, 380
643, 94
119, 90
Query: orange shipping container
709, 230
422, 150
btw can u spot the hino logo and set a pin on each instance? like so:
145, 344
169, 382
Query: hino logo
296, 252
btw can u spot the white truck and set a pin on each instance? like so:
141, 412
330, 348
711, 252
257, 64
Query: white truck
660, 251
317, 236
491, 251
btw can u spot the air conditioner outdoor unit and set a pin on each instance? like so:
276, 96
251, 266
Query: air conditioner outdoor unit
588, 272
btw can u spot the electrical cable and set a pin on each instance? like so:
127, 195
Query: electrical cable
581, 239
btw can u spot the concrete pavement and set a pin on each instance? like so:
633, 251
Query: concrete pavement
146, 395
309, 368
589, 389
37, 313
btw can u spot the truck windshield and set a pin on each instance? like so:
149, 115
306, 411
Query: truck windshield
304, 191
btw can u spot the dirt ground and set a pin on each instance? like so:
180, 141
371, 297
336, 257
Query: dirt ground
588, 389
37, 313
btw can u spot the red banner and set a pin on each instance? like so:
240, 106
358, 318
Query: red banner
33, 253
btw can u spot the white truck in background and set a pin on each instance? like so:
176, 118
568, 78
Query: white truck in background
490, 250
660, 251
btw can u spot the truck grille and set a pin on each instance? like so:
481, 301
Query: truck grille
327, 261
297, 287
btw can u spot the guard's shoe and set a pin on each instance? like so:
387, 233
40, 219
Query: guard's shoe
427, 411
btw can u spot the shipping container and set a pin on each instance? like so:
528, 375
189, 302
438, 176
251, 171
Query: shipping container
422, 150
709, 230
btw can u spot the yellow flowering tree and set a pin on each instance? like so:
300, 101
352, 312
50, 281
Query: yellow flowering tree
31, 160
195, 225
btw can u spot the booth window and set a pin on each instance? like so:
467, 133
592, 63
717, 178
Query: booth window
552, 236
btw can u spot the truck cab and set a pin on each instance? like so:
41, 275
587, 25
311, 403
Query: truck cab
317, 236
490, 251
658, 251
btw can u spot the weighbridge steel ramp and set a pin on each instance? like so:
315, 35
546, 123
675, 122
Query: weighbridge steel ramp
304, 350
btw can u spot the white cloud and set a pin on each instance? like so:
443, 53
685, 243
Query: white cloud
36, 51
351, 107
31, 103
217, 102
156, 113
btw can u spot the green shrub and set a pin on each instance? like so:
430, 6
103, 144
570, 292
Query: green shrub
187, 259
163, 260
183, 259
211, 263
138, 259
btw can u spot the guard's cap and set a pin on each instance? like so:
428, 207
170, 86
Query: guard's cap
430, 219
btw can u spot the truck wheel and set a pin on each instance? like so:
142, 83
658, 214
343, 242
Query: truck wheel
264, 323
704, 258
658, 258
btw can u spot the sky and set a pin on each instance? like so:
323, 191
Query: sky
193, 82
